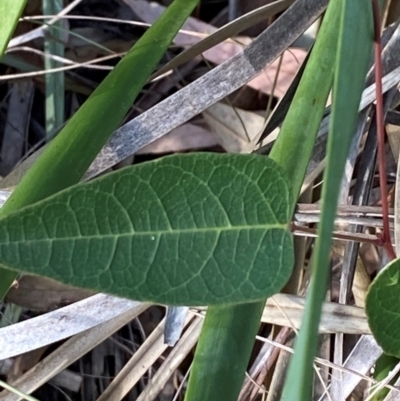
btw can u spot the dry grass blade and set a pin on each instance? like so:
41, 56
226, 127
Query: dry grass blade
140, 363
394, 393
94, 319
353, 373
39, 32
62, 323
172, 362
390, 80
69, 352
232, 29
287, 310
179, 108
360, 360
262, 364
210, 88
392, 374
207, 90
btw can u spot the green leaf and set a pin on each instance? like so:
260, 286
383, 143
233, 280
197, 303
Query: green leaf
69, 155
383, 367
383, 308
194, 229
10, 11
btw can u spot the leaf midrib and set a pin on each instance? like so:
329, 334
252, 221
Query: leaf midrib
157, 233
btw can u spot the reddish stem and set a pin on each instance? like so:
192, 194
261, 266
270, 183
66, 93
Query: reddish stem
380, 123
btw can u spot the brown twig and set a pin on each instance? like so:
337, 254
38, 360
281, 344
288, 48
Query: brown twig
356, 237
385, 238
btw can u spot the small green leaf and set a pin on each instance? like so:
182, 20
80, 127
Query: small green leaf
194, 229
383, 308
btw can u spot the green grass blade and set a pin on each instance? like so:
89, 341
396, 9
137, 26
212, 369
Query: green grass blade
10, 11
222, 354
299, 130
293, 147
383, 368
20, 394
70, 154
169, 231
354, 52
54, 88
229, 30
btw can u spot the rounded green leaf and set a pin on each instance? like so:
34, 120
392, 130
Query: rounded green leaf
195, 229
383, 308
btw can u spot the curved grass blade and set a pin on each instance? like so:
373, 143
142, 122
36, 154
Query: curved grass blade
354, 51
10, 11
70, 154
227, 31
195, 229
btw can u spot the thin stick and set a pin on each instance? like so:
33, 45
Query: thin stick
381, 132
356, 237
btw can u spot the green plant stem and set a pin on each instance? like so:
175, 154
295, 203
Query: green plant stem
380, 124
384, 365
354, 51
15, 391
70, 154
222, 354
53, 45
292, 151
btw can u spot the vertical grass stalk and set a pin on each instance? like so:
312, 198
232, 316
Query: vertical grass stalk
354, 51
54, 92
219, 355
